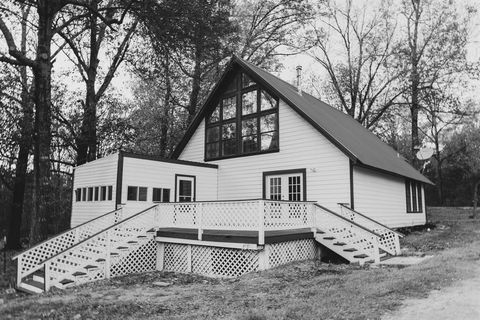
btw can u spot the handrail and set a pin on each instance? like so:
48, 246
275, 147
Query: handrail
368, 218
62, 233
348, 220
96, 234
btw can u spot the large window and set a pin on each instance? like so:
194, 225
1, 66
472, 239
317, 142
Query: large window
413, 191
244, 121
136, 193
160, 195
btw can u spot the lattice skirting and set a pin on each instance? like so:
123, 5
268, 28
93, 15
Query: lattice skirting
228, 262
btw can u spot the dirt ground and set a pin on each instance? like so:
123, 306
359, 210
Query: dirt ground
460, 301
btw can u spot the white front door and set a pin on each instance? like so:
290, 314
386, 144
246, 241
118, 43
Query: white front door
285, 187
185, 188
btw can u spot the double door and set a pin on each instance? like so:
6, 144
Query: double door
289, 187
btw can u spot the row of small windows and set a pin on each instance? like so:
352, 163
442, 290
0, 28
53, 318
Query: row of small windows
243, 122
135, 193
100, 193
413, 190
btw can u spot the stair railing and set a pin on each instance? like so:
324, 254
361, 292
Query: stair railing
98, 246
345, 230
32, 259
390, 239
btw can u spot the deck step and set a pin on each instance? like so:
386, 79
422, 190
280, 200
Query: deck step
114, 254
31, 286
100, 260
339, 244
39, 276
141, 236
122, 248
329, 238
79, 274
132, 242
350, 250
361, 256
66, 282
90, 267
320, 231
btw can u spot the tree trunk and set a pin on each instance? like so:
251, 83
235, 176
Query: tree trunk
42, 73
475, 199
415, 83
196, 82
25, 144
166, 109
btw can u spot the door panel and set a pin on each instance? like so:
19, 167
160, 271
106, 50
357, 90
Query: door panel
185, 188
285, 187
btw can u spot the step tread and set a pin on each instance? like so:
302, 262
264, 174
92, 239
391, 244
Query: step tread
361, 256
34, 283
66, 281
122, 248
79, 273
132, 242
90, 267
350, 250
329, 238
339, 244
100, 260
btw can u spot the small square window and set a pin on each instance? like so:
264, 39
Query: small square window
84, 194
103, 193
142, 193
157, 194
132, 193
78, 194
166, 195
90, 194
96, 193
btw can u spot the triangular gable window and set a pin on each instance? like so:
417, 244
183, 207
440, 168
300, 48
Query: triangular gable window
244, 121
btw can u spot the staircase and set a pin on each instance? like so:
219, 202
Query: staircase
354, 236
101, 248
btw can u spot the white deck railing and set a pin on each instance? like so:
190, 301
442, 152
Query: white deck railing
389, 240
240, 215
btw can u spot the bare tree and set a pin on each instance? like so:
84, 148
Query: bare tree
356, 50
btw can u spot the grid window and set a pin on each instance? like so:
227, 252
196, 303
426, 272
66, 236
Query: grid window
276, 188
294, 188
243, 123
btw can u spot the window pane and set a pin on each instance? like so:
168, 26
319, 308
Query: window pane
294, 188
249, 102
229, 147
249, 144
268, 123
249, 127
213, 134
166, 195
267, 101
103, 193
407, 195
213, 150
275, 189
78, 194
84, 194
96, 193
90, 194
269, 141
156, 194
246, 81
229, 108
215, 116
419, 198
185, 188
132, 193
110, 189
228, 131
142, 194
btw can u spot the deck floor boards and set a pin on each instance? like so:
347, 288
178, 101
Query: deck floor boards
236, 236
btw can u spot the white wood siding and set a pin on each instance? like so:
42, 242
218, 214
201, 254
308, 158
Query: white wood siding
301, 146
382, 197
157, 174
101, 172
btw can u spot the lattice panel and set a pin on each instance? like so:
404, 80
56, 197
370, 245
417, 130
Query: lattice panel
224, 262
283, 214
176, 257
231, 215
31, 260
285, 252
139, 259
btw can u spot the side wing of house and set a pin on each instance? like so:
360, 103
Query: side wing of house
146, 181
94, 189
391, 200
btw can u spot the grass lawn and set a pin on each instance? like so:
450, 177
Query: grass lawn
305, 290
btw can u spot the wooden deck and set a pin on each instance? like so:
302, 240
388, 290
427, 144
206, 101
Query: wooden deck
232, 236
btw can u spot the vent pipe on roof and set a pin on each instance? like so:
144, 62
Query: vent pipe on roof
299, 79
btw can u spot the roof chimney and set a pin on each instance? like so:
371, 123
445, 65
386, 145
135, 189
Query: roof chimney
299, 79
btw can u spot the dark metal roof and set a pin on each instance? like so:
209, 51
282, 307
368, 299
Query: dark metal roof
359, 144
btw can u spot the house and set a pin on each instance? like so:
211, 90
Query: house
265, 174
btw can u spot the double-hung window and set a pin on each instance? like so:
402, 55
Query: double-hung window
244, 121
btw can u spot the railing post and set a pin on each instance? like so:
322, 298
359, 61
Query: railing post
261, 222
47, 277
107, 255
397, 245
313, 226
376, 250
200, 221
160, 256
